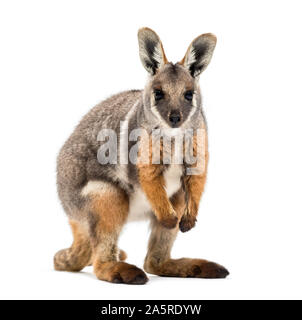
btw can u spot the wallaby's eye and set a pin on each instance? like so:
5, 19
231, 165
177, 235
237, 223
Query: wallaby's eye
189, 95
158, 94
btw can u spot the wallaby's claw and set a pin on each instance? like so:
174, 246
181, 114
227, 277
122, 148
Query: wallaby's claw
187, 223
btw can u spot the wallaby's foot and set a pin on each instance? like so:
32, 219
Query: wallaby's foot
119, 272
187, 268
71, 259
78, 255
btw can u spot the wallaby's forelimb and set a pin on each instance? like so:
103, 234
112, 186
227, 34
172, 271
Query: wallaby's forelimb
194, 187
152, 182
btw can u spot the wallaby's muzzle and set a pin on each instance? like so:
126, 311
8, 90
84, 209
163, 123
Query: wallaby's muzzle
174, 119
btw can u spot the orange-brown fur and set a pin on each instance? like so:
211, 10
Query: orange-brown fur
152, 182
110, 209
194, 187
78, 255
110, 213
97, 244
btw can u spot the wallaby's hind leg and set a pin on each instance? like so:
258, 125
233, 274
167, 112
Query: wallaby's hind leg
159, 262
107, 215
78, 255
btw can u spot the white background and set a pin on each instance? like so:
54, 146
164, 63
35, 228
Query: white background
59, 58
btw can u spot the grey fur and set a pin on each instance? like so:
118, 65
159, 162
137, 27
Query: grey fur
77, 161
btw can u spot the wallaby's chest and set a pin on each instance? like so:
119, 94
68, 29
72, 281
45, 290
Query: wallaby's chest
139, 206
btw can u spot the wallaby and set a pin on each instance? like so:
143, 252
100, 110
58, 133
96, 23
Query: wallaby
100, 198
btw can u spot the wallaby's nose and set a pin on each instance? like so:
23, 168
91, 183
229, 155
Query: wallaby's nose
174, 118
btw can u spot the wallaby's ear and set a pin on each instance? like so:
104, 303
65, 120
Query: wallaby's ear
199, 54
151, 50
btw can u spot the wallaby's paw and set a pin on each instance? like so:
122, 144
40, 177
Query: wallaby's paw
187, 223
210, 270
129, 274
187, 268
120, 272
71, 259
169, 221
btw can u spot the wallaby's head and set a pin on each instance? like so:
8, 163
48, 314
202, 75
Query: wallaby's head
172, 94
